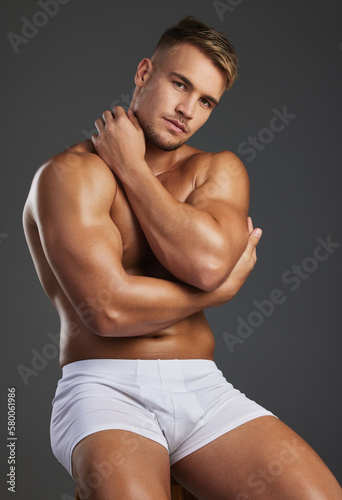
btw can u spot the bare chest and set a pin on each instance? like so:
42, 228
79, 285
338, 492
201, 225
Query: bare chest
137, 255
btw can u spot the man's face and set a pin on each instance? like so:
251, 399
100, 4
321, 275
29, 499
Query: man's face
177, 97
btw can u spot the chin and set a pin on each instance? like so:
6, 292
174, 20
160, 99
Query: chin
168, 146
164, 143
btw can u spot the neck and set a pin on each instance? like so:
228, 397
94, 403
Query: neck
160, 161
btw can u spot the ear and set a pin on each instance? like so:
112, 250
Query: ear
143, 72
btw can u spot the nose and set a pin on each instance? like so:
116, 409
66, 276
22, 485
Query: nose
186, 108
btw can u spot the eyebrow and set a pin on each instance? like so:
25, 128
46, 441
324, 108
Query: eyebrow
191, 85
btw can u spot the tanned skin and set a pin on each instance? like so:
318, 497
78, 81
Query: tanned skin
133, 234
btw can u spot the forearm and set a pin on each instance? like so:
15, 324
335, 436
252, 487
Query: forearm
186, 241
138, 305
144, 305
200, 239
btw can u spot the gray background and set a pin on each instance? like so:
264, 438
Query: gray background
83, 61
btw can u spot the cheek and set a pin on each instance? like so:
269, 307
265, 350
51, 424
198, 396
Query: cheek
165, 96
153, 99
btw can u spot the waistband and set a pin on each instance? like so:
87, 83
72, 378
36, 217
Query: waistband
138, 365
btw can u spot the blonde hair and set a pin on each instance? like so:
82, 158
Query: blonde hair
210, 41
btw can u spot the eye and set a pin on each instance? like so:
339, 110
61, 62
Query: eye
179, 85
205, 102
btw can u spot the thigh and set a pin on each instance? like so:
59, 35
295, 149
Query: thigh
116, 465
261, 459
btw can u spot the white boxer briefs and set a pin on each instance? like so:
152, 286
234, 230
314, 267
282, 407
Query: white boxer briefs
183, 404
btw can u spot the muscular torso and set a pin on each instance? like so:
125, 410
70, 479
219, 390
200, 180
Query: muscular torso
186, 339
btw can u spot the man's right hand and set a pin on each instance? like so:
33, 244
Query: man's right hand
242, 268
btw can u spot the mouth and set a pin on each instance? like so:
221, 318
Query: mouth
176, 125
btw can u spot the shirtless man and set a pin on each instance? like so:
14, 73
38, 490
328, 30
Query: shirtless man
133, 234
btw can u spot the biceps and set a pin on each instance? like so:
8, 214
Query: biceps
84, 258
229, 221
229, 215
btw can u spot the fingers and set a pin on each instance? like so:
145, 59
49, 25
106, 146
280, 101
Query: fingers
108, 117
254, 238
253, 241
119, 111
254, 234
94, 138
133, 118
99, 124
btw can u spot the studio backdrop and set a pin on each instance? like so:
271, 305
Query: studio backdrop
279, 340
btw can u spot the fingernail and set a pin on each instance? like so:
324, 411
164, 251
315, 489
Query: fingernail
257, 233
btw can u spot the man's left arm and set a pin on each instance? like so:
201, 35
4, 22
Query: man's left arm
201, 240
198, 241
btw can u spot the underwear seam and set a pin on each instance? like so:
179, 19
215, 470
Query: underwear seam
100, 428
219, 433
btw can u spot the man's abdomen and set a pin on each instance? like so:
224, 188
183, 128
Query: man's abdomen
190, 338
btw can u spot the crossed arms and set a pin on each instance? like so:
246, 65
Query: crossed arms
84, 249
198, 241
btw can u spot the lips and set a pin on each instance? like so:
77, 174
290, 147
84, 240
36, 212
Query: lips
176, 125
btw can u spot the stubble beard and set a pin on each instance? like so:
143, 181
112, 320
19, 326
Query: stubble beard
157, 139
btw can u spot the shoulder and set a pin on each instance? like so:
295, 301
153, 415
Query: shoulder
223, 165
70, 175
73, 167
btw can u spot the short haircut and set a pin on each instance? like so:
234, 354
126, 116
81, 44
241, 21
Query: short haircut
208, 40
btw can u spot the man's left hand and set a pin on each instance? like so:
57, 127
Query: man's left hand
120, 141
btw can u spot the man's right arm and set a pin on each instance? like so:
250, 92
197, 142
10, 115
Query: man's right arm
84, 249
